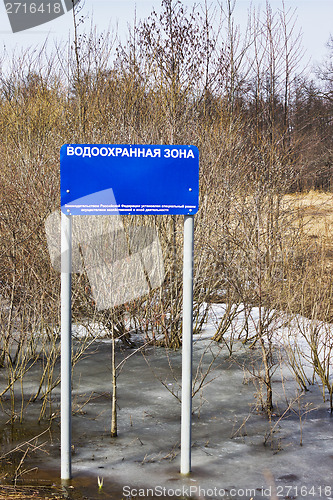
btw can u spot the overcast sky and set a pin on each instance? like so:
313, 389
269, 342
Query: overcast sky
315, 19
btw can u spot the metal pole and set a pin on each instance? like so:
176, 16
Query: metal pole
66, 347
186, 415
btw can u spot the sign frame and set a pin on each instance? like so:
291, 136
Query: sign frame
129, 179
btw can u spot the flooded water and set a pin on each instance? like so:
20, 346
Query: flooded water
236, 451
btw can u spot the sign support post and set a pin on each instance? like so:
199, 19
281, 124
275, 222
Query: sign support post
111, 179
187, 347
66, 347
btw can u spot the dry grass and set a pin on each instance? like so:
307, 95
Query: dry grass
315, 210
29, 493
314, 217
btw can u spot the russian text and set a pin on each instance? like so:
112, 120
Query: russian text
129, 152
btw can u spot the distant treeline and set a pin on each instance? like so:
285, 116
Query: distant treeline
183, 76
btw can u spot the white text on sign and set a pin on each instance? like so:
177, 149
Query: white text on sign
129, 152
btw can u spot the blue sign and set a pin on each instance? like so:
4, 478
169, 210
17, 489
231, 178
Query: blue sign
104, 179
